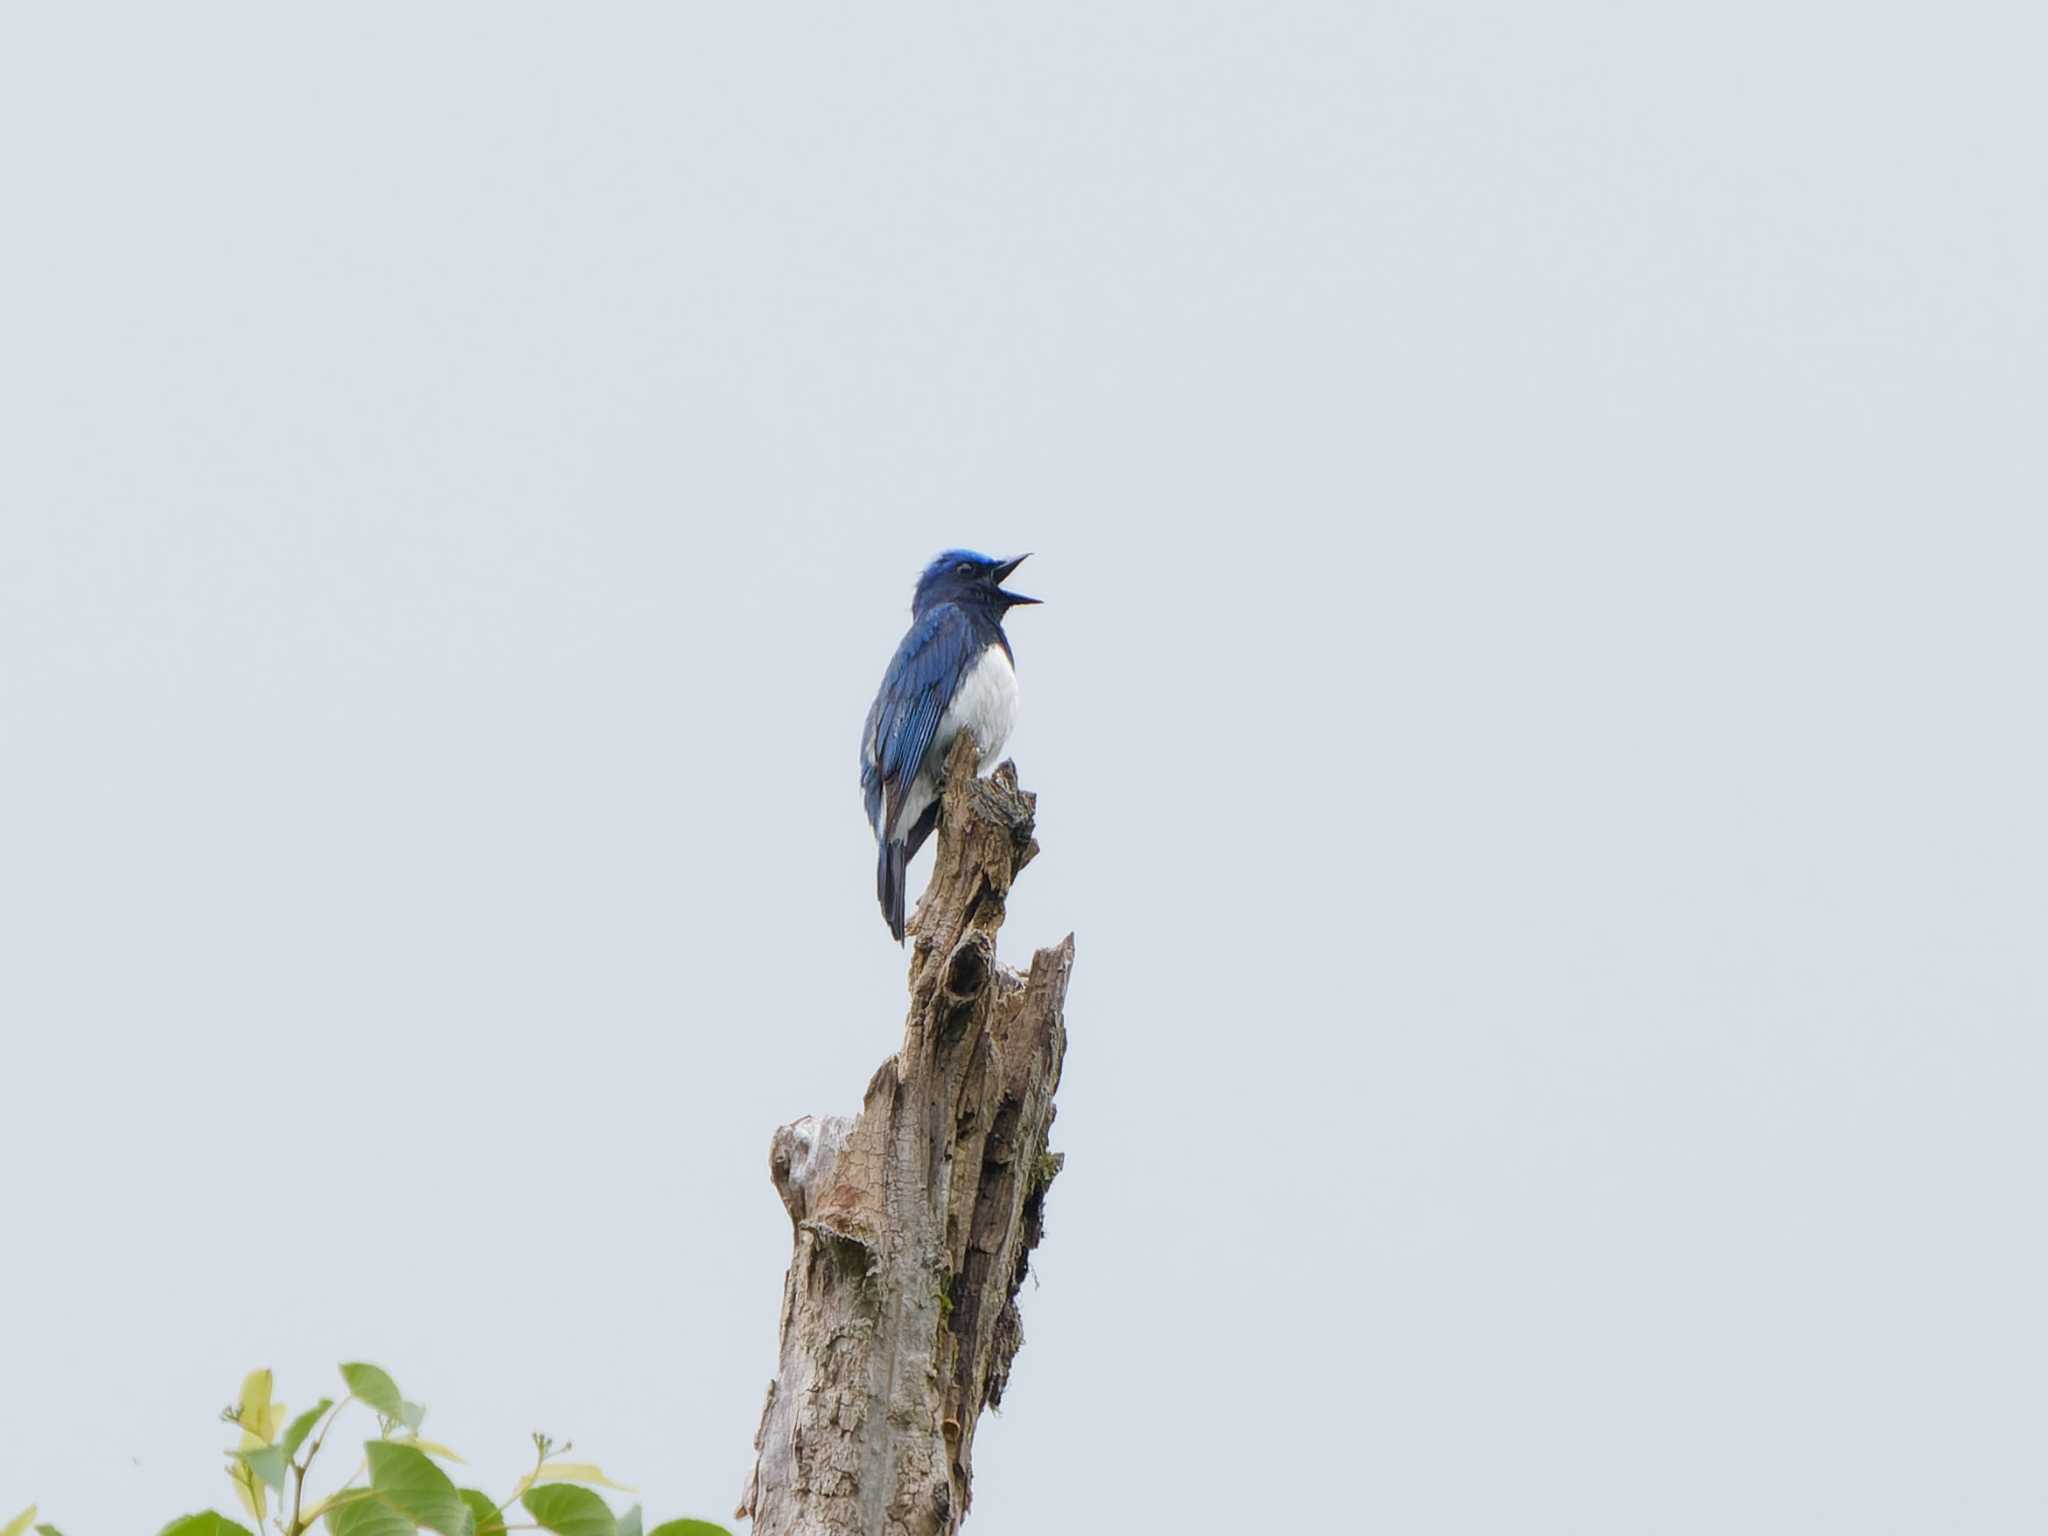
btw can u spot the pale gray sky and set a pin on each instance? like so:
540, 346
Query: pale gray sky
1537, 714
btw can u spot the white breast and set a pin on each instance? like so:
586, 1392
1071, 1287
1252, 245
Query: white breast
985, 705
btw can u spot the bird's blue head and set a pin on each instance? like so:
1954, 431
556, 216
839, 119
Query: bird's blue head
973, 581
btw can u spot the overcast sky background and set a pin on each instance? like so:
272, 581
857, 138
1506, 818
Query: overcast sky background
1537, 718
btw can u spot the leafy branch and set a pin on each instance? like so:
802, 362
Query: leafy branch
407, 1491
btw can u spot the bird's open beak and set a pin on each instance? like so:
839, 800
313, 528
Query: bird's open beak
1014, 599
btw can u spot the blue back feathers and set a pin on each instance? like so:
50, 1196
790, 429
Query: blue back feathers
920, 683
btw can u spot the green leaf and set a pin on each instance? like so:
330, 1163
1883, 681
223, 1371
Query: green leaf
485, 1508
266, 1462
19, 1523
369, 1517
414, 1484
629, 1522
48, 1530
333, 1501
206, 1523
412, 1415
689, 1528
302, 1426
254, 1411
431, 1447
376, 1388
570, 1472
569, 1511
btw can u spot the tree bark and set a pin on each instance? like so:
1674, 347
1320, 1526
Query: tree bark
914, 1221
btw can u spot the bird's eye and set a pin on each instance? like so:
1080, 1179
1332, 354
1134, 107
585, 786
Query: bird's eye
965, 568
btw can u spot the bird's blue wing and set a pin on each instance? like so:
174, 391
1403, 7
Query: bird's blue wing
916, 689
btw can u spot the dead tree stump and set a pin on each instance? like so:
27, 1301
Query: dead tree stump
915, 1220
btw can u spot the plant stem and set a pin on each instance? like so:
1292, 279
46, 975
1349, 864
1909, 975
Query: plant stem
300, 1468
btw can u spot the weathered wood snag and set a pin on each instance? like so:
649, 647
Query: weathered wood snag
915, 1220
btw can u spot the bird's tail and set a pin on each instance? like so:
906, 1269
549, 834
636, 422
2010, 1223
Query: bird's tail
891, 857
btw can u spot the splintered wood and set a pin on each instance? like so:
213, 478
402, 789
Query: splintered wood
915, 1220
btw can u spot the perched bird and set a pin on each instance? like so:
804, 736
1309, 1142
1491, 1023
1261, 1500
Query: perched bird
953, 672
